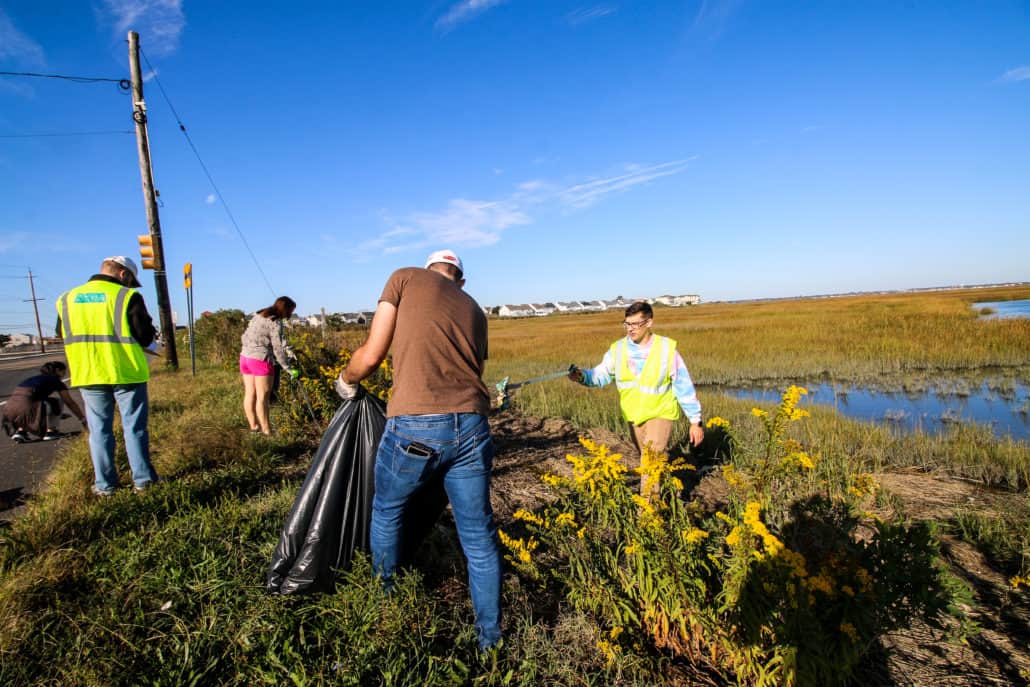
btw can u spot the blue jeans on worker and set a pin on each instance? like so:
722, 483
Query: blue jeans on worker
133, 404
414, 450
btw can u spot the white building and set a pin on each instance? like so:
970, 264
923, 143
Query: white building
677, 301
542, 308
568, 306
522, 310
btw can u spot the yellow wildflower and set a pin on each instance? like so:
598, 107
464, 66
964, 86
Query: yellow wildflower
849, 630
552, 480
847, 589
694, 535
758, 412
565, 520
631, 549
608, 650
717, 422
527, 516
733, 477
615, 632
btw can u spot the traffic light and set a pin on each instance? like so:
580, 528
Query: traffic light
146, 251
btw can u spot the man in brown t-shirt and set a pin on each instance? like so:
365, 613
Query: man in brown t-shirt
436, 420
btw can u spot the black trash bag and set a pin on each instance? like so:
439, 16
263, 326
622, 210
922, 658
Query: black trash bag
330, 518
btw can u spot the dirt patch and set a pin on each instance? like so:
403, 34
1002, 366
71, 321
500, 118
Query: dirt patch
528, 447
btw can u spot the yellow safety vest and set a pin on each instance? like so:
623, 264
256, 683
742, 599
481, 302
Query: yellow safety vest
97, 341
648, 395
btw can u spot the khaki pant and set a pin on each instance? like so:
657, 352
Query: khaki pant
655, 432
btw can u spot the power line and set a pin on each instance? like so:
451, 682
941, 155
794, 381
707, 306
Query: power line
225, 205
122, 83
70, 133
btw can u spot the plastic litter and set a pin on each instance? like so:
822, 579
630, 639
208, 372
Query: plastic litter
330, 517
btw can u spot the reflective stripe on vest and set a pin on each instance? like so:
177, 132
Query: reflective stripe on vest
648, 394
119, 336
97, 340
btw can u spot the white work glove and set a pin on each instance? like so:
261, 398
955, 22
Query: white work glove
347, 392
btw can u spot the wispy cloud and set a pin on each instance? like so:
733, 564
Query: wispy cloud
160, 23
210, 199
586, 194
811, 128
583, 15
470, 223
712, 17
1017, 74
17, 46
464, 11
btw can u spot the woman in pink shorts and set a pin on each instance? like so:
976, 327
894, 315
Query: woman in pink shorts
263, 343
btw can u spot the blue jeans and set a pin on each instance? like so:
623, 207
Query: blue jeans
133, 404
415, 449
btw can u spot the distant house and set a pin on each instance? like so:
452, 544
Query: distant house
568, 306
592, 306
677, 301
522, 310
542, 308
313, 320
616, 303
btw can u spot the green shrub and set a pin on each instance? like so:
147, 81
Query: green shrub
217, 336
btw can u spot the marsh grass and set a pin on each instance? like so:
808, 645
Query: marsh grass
848, 339
904, 341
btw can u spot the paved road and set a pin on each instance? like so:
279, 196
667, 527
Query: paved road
24, 467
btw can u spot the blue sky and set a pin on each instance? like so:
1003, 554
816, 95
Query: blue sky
566, 150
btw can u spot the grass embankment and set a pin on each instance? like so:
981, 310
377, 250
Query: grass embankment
167, 587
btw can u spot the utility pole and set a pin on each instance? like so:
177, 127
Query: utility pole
39, 329
139, 115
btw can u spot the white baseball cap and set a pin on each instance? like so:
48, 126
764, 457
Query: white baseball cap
447, 256
128, 264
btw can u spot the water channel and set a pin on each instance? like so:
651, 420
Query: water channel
1002, 310
1001, 404
1006, 411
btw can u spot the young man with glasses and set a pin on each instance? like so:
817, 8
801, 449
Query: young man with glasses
654, 385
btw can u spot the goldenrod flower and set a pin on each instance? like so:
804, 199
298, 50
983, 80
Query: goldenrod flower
565, 520
525, 515
717, 422
733, 477
694, 535
758, 412
849, 630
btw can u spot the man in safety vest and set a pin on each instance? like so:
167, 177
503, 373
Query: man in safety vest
653, 382
105, 326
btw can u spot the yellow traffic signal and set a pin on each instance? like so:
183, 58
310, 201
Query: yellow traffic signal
187, 273
146, 251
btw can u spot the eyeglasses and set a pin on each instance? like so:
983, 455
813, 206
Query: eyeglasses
633, 326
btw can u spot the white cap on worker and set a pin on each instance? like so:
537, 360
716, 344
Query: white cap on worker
447, 256
128, 264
